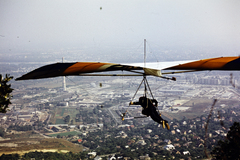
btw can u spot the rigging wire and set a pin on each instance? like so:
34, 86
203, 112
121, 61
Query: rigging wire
122, 93
77, 84
122, 83
151, 51
144, 81
136, 47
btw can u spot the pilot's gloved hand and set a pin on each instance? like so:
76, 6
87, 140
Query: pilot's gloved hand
123, 115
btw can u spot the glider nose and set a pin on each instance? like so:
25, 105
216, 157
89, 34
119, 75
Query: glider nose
48, 71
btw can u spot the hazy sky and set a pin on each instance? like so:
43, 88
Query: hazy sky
32, 24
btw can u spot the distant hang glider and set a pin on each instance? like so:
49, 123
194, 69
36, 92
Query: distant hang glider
137, 69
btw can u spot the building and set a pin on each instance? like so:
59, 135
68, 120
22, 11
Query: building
92, 154
186, 153
57, 129
169, 147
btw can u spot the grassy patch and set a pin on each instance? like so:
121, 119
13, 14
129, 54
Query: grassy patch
63, 109
60, 113
24, 143
60, 121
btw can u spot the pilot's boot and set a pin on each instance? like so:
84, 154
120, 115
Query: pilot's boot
167, 125
164, 124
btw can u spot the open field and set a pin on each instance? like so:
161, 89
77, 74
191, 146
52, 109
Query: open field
62, 112
33, 150
198, 107
59, 121
22, 144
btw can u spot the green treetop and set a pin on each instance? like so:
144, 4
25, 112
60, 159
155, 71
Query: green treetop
5, 93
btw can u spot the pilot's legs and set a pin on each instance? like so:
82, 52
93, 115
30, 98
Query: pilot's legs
145, 112
157, 118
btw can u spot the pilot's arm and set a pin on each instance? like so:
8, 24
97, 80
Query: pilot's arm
134, 103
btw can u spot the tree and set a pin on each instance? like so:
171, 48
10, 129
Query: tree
10, 156
5, 93
67, 119
229, 149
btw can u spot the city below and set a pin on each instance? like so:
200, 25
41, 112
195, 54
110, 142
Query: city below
78, 108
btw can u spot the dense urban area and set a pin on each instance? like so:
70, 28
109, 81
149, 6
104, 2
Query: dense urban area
79, 117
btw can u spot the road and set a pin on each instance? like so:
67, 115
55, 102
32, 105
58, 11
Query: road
117, 119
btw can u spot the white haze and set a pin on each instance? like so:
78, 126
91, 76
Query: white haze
30, 25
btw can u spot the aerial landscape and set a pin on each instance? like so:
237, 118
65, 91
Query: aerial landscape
81, 111
98, 117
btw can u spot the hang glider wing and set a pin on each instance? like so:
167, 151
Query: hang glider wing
74, 69
220, 63
83, 68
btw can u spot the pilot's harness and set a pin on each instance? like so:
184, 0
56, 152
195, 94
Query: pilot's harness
146, 87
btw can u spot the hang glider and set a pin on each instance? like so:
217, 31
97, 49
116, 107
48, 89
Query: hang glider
136, 69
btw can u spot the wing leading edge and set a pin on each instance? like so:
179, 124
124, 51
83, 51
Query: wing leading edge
220, 63
74, 69
154, 69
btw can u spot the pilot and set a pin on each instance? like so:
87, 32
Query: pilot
149, 109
